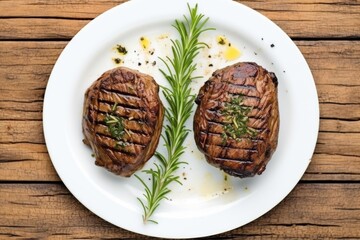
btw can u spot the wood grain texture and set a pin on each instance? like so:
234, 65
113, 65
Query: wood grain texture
50, 211
37, 19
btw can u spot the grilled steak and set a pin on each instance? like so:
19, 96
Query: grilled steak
236, 123
122, 119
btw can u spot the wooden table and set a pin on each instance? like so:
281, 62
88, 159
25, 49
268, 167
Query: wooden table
35, 204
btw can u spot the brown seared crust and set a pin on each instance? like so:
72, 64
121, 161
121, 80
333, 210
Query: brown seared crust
138, 103
258, 87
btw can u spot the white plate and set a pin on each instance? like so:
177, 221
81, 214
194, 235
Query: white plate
200, 207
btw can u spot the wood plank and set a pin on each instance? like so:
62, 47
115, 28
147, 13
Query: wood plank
339, 94
332, 62
26, 162
340, 111
12, 110
339, 126
39, 28
333, 167
62, 19
50, 211
21, 132
347, 144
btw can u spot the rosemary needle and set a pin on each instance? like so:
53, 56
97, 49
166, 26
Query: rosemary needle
178, 73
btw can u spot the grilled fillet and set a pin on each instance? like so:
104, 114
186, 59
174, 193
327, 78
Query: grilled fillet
248, 154
122, 119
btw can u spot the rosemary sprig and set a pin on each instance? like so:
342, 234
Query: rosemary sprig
179, 75
236, 115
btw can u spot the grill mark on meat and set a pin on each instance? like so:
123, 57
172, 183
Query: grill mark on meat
240, 85
119, 150
123, 105
233, 95
105, 107
100, 134
230, 153
238, 160
130, 148
236, 90
127, 128
218, 127
257, 138
129, 102
118, 157
253, 148
135, 125
217, 139
127, 115
108, 144
216, 116
120, 92
133, 138
109, 104
248, 101
219, 105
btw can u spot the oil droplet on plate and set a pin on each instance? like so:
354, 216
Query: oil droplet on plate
145, 42
213, 186
163, 36
231, 53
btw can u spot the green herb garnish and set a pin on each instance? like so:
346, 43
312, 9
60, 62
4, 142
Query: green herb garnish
115, 124
221, 41
122, 50
236, 117
178, 73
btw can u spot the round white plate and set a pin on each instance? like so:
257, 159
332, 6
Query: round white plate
206, 203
